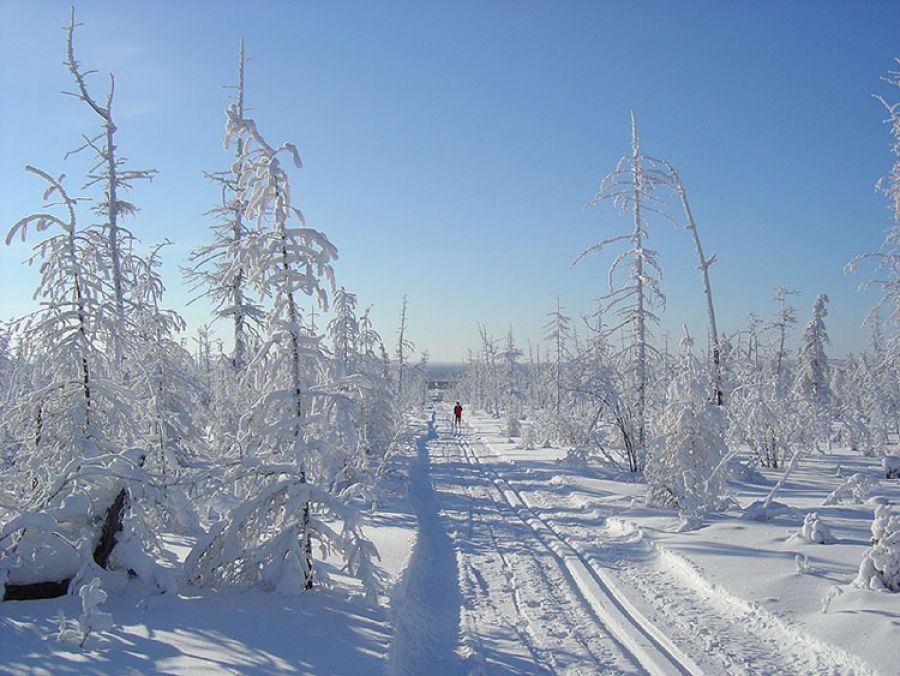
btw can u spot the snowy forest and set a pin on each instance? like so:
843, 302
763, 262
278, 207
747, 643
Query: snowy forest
269, 441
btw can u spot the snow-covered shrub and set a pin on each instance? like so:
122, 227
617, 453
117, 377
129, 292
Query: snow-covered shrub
766, 510
513, 421
891, 466
880, 566
261, 543
853, 491
92, 619
685, 470
94, 516
815, 531
529, 439
832, 593
762, 416
881, 522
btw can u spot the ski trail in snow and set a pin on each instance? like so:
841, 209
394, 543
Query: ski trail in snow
646, 645
661, 589
427, 604
524, 604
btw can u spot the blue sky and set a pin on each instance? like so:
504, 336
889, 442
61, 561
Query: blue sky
450, 147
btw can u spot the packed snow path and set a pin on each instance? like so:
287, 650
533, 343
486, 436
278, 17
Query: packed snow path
502, 577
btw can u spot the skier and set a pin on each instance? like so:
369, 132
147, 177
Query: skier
457, 416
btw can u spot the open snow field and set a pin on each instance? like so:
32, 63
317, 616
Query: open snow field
506, 561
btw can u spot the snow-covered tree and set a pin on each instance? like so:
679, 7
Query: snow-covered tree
298, 438
343, 330
558, 331
887, 258
633, 187
110, 174
404, 347
510, 384
704, 263
686, 466
812, 384
218, 269
169, 396
74, 410
785, 318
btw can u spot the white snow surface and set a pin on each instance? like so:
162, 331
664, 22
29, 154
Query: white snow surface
507, 561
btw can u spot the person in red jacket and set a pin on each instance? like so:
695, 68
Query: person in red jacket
457, 416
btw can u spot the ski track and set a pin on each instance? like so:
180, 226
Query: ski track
606, 618
722, 633
529, 602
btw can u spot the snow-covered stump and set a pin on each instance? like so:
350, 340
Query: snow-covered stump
90, 520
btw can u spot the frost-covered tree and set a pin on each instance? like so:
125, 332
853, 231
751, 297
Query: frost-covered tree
298, 438
404, 347
785, 318
110, 174
82, 481
558, 331
762, 409
812, 384
859, 410
74, 410
381, 420
343, 330
218, 268
887, 258
510, 385
704, 263
633, 187
169, 396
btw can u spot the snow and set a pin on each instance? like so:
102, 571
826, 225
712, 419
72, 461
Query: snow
504, 560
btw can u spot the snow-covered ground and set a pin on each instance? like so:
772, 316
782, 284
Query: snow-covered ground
505, 560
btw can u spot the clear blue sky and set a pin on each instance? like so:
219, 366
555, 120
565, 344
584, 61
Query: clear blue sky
450, 147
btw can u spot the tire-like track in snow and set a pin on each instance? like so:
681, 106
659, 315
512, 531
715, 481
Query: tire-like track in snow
648, 649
